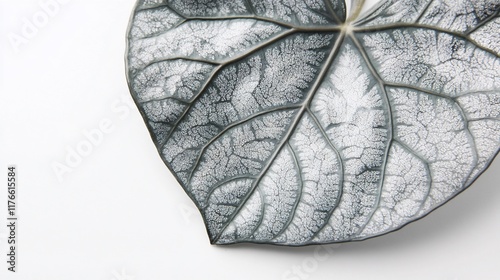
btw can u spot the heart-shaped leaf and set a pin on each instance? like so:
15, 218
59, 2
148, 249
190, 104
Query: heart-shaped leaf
287, 123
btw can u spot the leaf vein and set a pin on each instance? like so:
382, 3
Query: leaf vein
229, 127
390, 131
292, 129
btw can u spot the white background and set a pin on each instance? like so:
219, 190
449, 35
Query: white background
120, 215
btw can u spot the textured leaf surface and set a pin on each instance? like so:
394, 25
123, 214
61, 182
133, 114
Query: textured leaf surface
287, 123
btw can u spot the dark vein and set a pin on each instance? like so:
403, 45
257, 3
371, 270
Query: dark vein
419, 89
341, 173
203, 88
172, 58
317, 28
254, 17
403, 26
482, 22
484, 119
466, 130
224, 182
328, 141
258, 47
296, 203
219, 68
166, 4
251, 7
264, 170
160, 122
451, 99
162, 98
331, 10
424, 11
178, 24
299, 193
427, 169
390, 131
294, 125
324, 70
470, 136
262, 211
231, 126
326, 14
464, 94
159, 33
414, 153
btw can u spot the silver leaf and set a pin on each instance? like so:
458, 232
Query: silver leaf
288, 122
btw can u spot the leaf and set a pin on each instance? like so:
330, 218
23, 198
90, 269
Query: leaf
287, 123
